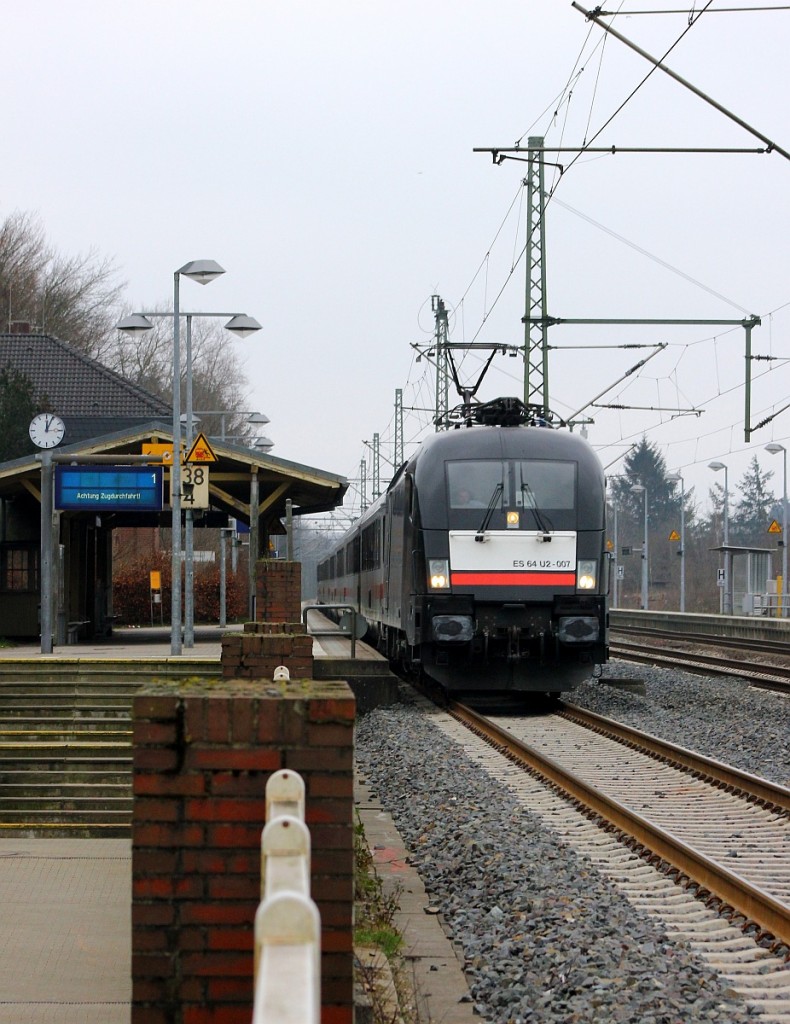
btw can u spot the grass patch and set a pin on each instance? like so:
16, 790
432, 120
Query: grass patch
375, 910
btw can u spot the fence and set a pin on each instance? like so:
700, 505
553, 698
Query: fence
287, 923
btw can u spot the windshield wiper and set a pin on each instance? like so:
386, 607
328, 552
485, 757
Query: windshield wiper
480, 535
528, 493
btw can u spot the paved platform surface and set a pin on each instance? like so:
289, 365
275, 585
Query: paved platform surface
154, 642
65, 931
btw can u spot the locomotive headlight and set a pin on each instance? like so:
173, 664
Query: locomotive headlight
586, 574
439, 573
512, 520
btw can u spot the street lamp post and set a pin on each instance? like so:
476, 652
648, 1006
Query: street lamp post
677, 478
615, 587
202, 271
641, 489
241, 325
726, 597
774, 447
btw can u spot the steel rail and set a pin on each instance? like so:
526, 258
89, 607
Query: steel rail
774, 676
781, 647
735, 780
735, 892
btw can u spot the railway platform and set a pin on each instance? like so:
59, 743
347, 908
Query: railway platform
65, 933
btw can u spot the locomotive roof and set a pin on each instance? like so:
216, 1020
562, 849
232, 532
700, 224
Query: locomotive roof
506, 442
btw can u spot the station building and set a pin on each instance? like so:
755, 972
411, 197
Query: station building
107, 416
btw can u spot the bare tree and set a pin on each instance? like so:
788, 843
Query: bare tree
78, 299
218, 382
74, 298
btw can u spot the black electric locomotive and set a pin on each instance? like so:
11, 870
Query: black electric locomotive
484, 564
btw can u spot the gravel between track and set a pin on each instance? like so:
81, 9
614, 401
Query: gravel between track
546, 939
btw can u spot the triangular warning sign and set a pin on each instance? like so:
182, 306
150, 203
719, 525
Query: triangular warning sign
674, 535
201, 451
774, 527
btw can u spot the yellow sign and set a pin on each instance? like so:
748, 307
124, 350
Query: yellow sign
163, 451
774, 527
201, 451
674, 535
610, 545
156, 580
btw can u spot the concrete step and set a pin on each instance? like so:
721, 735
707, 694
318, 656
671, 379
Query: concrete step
64, 728
68, 704
68, 688
63, 756
58, 788
106, 808
64, 830
142, 670
32, 777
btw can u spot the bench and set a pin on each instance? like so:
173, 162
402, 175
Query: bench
73, 630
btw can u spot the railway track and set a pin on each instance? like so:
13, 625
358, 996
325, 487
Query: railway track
693, 842
768, 669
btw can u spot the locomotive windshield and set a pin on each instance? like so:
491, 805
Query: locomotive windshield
537, 485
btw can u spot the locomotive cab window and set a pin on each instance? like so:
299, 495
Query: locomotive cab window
545, 485
476, 484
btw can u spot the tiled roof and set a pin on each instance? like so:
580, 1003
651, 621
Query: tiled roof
91, 399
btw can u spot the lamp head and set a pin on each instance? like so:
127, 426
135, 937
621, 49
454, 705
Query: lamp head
134, 324
716, 466
201, 271
243, 325
774, 447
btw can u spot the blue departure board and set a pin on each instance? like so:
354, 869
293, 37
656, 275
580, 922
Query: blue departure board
108, 488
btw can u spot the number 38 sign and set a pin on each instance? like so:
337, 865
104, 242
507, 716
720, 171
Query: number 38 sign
194, 486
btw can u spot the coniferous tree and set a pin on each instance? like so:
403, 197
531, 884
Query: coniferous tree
18, 405
751, 516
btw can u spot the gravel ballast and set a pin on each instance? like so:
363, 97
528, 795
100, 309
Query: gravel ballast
546, 938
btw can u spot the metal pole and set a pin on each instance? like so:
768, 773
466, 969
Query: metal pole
254, 542
784, 534
223, 577
289, 529
727, 603
682, 545
46, 552
175, 477
616, 594
645, 558
189, 561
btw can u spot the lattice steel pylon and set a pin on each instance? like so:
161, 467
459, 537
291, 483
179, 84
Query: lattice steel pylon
376, 466
397, 461
536, 352
441, 338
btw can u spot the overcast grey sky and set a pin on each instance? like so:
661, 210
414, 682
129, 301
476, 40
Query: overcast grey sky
322, 153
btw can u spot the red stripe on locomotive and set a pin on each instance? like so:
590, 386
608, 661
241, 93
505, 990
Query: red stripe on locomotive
513, 579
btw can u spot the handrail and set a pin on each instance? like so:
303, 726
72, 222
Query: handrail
287, 922
335, 632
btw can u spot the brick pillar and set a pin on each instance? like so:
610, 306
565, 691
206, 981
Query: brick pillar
202, 756
279, 590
